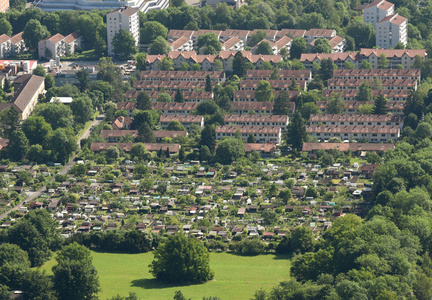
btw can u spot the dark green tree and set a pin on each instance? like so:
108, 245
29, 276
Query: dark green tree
239, 65
208, 84
124, 44
296, 133
181, 259
208, 137
82, 109
83, 79
33, 33
36, 129
282, 104
322, 45
179, 98
159, 46
326, 70
145, 134
151, 30
18, 145
380, 105
251, 139
39, 71
264, 48
144, 102
229, 150
364, 92
264, 92
298, 47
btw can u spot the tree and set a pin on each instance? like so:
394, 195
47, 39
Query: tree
166, 64
39, 71
49, 82
363, 33
62, 143
179, 98
164, 97
14, 264
75, 277
365, 65
18, 145
144, 102
159, 46
208, 84
8, 87
349, 65
336, 105
264, 92
239, 65
383, 62
296, 133
366, 109
82, 109
181, 259
9, 121
308, 109
36, 129
176, 126
364, 92
124, 44
138, 151
37, 285
140, 59
56, 114
294, 86
208, 137
264, 48
298, 47
322, 45
151, 30
83, 80
33, 33
327, 68
229, 150
251, 139
380, 105
256, 37
274, 74
145, 134
184, 66
5, 27
209, 40
182, 154
282, 105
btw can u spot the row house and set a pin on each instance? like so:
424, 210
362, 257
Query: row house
199, 32
352, 107
373, 134
152, 86
258, 120
181, 44
387, 84
284, 85
351, 95
282, 43
356, 120
122, 123
190, 97
314, 33
175, 108
129, 107
376, 73
172, 148
233, 44
337, 44
59, 45
160, 135
11, 46
344, 147
262, 134
292, 33
114, 136
196, 76
283, 74
236, 33
249, 95
185, 120
174, 34
261, 108
308, 59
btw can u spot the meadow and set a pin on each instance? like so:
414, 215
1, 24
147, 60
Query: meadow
236, 277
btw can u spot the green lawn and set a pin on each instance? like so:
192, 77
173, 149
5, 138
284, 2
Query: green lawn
236, 277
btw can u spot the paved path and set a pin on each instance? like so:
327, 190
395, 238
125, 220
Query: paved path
33, 195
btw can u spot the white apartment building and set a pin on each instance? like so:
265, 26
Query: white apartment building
258, 120
89, 5
374, 134
5, 46
123, 18
59, 45
262, 134
391, 30
377, 10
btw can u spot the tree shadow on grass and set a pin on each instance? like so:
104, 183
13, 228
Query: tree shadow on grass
152, 283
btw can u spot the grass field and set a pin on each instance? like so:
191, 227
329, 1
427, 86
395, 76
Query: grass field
236, 277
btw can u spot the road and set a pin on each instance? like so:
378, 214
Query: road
33, 195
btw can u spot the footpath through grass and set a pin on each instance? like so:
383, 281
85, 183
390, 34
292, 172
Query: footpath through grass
236, 277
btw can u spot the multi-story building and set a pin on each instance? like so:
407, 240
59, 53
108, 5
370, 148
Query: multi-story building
249, 96
152, 86
59, 45
373, 134
26, 96
404, 57
186, 120
193, 76
283, 74
5, 46
233, 44
313, 34
173, 108
89, 5
262, 134
190, 97
181, 44
17, 43
258, 120
123, 18
391, 30
114, 136
351, 95
377, 10
4, 6
356, 120
284, 85
242, 108
379, 73
352, 107
387, 84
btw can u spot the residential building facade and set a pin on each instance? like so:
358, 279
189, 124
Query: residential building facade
123, 18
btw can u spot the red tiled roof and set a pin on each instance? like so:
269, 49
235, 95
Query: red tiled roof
248, 129
347, 146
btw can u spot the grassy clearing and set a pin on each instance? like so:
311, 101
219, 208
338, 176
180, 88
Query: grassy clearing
236, 277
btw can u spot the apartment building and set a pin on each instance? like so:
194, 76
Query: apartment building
258, 120
356, 120
186, 120
122, 123
123, 18
4, 6
338, 58
26, 96
114, 136
282, 43
181, 44
352, 107
391, 30
314, 33
129, 107
237, 33
292, 33
5, 46
152, 86
351, 95
199, 32
160, 135
261, 108
376, 73
172, 148
249, 95
283, 74
59, 45
404, 57
192, 76
175, 34
373, 134
190, 97
250, 84
175, 108
270, 33
233, 44
17, 44
262, 134
387, 84
377, 10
